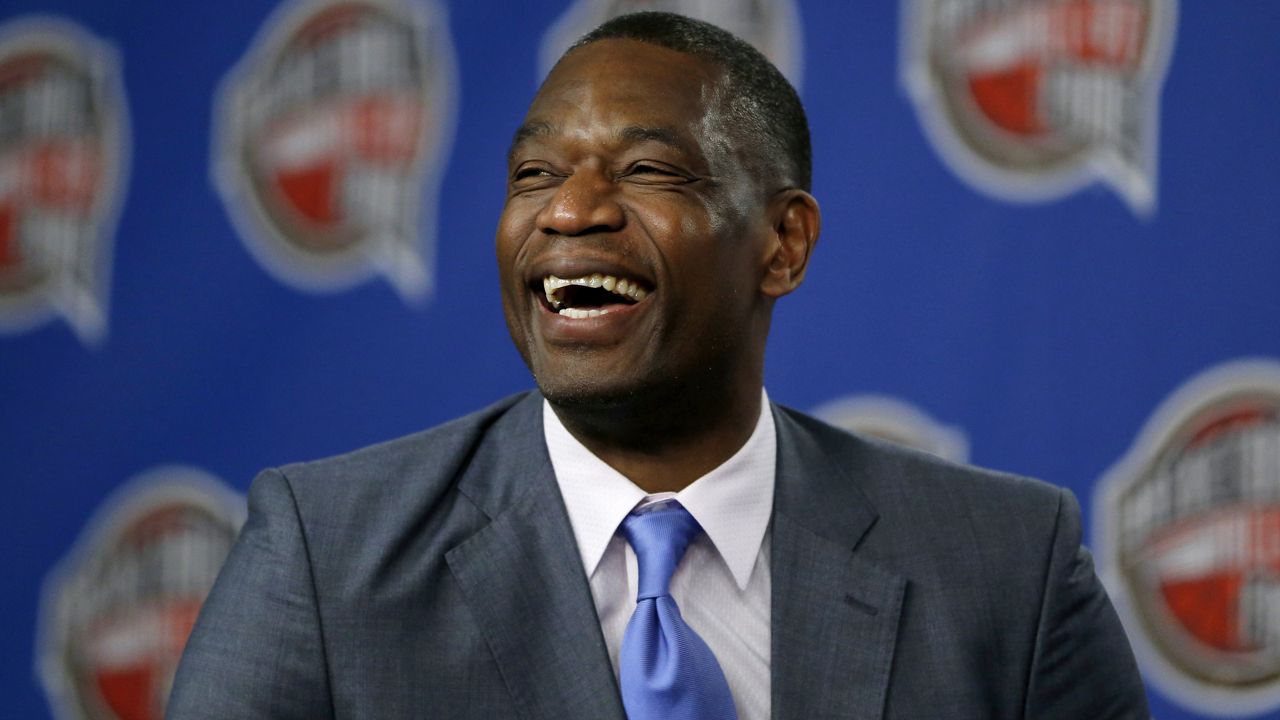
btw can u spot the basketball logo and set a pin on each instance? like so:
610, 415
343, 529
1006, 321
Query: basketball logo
1031, 99
63, 152
330, 134
1189, 540
116, 614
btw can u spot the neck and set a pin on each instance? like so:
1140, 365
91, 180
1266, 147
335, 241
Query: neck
665, 441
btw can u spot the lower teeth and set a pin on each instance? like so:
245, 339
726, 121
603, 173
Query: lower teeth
578, 313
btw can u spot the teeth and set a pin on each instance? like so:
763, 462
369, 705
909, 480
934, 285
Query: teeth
580, 313
551, 286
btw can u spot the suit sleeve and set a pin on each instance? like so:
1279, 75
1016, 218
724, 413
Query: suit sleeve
1083, 666
256, 650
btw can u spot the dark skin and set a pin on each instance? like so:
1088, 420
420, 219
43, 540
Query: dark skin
625, 166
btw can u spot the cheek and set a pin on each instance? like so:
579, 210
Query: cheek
663, 222
506, 230
509, 242
689, 226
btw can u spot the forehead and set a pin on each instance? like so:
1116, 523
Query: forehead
611, 84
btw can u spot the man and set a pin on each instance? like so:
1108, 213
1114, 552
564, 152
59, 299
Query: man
657, 207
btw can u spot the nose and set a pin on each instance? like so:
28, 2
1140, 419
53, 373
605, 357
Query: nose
584, 203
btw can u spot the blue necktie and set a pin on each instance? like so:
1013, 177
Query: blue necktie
666, 671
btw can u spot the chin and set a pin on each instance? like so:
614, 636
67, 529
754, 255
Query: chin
595, 390
581, 394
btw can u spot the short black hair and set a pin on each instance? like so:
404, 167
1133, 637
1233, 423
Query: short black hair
760, 101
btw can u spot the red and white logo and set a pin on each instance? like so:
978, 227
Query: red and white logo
62, 157
897, 421
330, 135
1188, 536
772, 26
1032, 99
117, 611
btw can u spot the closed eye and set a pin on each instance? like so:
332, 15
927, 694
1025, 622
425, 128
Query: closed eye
654, 172
643, 168
525, 173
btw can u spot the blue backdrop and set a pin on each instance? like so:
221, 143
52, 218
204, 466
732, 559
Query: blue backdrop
1044, 332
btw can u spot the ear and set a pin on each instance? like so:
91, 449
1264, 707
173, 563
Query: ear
795, 221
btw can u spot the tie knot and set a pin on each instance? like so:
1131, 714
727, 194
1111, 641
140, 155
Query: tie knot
659, 538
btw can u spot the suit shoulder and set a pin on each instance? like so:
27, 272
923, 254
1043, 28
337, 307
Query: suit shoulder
375, 502
940, 523
428, 456
897, 476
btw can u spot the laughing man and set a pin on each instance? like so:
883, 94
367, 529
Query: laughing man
646, 535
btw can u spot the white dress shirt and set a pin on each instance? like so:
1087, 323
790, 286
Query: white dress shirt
722, 583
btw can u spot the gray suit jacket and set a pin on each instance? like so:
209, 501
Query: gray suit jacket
436, 576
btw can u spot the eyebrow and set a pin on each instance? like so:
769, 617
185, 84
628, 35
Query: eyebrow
529, 130
634, 133
664, 135
526, 131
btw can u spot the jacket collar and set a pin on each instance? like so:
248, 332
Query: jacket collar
834, 614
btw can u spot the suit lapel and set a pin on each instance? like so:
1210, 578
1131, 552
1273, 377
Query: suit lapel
835, 615
523, 579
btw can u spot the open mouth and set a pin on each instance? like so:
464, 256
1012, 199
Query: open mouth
591, 295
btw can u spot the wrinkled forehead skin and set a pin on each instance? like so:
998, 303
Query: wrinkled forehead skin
677, 90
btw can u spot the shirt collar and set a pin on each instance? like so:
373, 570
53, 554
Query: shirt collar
732, 503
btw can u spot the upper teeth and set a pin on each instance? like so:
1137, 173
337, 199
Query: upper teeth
551, 285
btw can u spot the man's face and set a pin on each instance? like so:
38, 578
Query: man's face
624, 174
